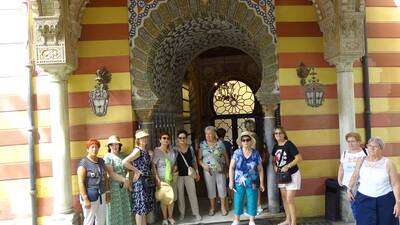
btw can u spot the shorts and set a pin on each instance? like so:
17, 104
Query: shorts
295, 184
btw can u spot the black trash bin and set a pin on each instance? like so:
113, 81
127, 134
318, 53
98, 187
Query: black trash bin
332, 200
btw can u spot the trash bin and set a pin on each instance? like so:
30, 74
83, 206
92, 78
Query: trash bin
332, 200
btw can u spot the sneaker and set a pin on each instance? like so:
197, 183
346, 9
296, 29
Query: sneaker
171, 221
235, 223
165, 222
211, 212
259, 210
181, 217
252, 223
198, 217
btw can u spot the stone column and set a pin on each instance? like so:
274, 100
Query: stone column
272, 187
63, 213
347, 121
346, 107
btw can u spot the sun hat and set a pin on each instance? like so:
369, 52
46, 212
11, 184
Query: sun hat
141, 134
165, 194
249, 134
113, 139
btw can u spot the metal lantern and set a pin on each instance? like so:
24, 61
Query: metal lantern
314, 91
99, 97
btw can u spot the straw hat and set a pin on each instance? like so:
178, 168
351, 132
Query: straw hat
249, 134
165, 194
141, 134
113, 139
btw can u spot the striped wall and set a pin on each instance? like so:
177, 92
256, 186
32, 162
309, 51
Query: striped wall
104, 42
316, 130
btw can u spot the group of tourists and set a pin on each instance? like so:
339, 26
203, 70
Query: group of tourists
371, 182
117, 186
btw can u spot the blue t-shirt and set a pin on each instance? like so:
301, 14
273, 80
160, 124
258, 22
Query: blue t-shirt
246, 171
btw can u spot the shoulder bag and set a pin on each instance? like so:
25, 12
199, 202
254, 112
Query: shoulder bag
191, 171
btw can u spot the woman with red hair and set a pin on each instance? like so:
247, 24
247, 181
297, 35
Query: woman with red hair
92, 180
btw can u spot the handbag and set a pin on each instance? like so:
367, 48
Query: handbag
283, 177
191, 171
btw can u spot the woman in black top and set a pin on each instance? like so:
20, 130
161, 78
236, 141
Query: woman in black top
286, 157
185, 159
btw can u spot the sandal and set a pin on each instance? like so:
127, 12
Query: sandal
171, 221
211, 212
225, 212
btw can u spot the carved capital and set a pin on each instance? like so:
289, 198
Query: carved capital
56, 73
344, 67
342, 25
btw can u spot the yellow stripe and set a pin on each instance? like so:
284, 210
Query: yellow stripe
115, 114
384, 74
383, 14
45, 186
291, 13
13, 120
325, 137
387, 45
327, 75
326, 168
103, 48
288, 76
310, 206
78, 148
105, 15
20, 186
42, 118
300, 44
389, 134
40, 85
299, 107
86, 82
379, 105
16, 153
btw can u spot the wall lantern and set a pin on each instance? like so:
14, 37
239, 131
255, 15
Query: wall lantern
98, 98
313, 89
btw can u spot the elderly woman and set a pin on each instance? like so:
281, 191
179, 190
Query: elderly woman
164, 162
286, 157
185, 160
118, 210
348, 161
214, 160
378, 196
246, 177
92, 180
143, 186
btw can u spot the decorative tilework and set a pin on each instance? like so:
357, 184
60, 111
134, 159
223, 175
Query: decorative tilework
140, 9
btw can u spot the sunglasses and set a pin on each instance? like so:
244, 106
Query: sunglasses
246, 140
181, 137
165, 138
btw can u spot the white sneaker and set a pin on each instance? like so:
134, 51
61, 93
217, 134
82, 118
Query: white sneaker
235, 223
198, 217
252, 223
259, 211
165, 222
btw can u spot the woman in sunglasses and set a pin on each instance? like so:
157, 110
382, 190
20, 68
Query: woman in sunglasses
246, 177
186, 163
164, 164
286, 157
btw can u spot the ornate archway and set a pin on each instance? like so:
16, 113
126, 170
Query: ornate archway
166, 36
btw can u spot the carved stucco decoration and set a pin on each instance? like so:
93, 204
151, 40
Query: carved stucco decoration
139, 10
57, 30
342, 25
